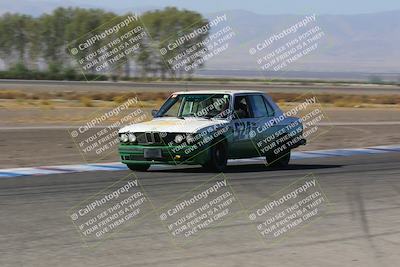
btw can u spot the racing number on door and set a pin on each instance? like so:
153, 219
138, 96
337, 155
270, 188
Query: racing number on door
242, 125
242, 130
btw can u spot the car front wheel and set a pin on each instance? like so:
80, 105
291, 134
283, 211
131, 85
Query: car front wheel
138, 167
218, 157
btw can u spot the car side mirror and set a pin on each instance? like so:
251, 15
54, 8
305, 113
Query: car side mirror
154, 112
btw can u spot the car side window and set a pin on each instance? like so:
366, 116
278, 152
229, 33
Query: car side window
258, 106
270, 110
241, 107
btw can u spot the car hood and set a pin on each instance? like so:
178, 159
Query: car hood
172, 125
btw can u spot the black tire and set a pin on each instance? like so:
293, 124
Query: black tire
218, 158
138, 167
279, 161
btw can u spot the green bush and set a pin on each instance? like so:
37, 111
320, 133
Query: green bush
19, 71
70, 74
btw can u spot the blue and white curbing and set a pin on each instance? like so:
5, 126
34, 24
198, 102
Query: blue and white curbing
117, 166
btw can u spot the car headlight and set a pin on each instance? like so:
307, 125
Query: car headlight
124, 138
178, 139
132, 137
190, 138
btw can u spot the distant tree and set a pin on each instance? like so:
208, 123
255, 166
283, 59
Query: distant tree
52, 35
15, 37
166, 26
24, 39
65, 25
6, 38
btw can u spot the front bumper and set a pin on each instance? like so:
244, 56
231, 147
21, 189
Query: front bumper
134, 154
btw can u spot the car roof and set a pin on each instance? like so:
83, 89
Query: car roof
231, 92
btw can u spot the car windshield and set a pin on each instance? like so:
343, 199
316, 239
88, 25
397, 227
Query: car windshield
196, 105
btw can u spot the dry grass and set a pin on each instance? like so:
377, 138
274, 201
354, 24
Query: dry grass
340, 100
87, 98
86, 101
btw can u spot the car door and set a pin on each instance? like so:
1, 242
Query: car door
267, 124
243, 124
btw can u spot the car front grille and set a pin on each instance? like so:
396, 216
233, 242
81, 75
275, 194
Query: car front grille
154, 138
151, 138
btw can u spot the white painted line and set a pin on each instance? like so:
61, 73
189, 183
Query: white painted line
117, 166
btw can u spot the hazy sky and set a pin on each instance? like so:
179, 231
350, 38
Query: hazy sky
209, 6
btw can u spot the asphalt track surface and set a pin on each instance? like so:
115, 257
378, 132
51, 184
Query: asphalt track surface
361, 229
183, 86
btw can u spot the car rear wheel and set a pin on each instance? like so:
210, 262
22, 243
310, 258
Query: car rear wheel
218, 157
281, 160
138, 167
